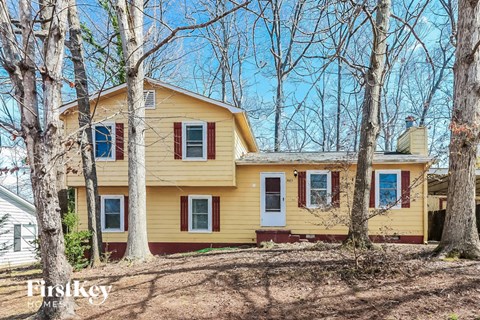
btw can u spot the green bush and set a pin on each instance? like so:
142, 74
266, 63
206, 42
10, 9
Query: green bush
76, 242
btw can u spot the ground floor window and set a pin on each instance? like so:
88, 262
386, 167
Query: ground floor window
319, 188
200, 213
112, 213
24, 236
388, 188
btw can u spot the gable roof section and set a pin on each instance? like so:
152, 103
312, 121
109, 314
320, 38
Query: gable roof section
239, 114
17, 200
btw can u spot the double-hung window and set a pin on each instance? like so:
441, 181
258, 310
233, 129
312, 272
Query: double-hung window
319, 188
104, 141
195, 141
113, 213
200, 213
24, 237
387, 188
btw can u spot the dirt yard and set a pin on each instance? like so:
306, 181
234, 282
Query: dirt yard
298, 281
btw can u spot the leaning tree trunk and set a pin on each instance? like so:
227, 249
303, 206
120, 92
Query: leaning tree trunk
41, 133
130, 18
85, 135
460, 235
358, 229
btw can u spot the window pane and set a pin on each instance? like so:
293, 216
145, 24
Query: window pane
200, 206
318, 197
103, 142
112, 221
112, 205
194, 151
200, 221
318, 181
272, 202
387, 189
17, 244
28, 231
388, 181
194, 133
272, 185
388, 197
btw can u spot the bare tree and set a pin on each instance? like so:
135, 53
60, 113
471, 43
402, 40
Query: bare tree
85, 137
460, 235
130, 19
40, 128
290, 35
358, 229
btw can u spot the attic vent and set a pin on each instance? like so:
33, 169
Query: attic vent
149, 96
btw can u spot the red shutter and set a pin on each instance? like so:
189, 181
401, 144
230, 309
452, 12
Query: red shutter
125, 213
405, 189
177, 140
211, 140
215, 214
184, 213
336, 189
372, 191
302, 189
119, 141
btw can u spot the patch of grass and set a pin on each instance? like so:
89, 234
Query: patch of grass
453, 316
206, 250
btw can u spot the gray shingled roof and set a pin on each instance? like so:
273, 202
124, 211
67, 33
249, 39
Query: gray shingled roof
325, 157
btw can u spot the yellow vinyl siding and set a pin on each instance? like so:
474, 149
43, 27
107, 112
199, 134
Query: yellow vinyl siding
240, 145
413, 141
162, 168
240, 209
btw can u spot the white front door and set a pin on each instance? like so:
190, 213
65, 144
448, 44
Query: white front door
272, 199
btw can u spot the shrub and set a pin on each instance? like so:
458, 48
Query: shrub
76, 242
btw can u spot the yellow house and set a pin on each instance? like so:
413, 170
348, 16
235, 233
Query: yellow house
209, 186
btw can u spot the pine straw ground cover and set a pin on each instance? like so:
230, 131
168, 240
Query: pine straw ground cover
296, 281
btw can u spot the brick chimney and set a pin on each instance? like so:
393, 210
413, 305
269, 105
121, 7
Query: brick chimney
414, 140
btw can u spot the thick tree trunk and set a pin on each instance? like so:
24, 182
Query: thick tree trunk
130, 18
460, 236
358, 229
85, 136
41, 134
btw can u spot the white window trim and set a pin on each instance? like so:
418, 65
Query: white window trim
154, 99
377, 187
114, 147
190, 213
122, 212
24, 245
184, 140
329, 187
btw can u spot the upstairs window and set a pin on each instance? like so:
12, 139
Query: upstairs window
104, 138
149, 97
319, 188
388, 188
195, 141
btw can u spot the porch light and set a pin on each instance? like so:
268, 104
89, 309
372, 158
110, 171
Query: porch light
295, 173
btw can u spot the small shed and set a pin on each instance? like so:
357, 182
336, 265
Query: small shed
19, 232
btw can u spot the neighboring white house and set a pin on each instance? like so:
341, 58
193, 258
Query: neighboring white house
20, 230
